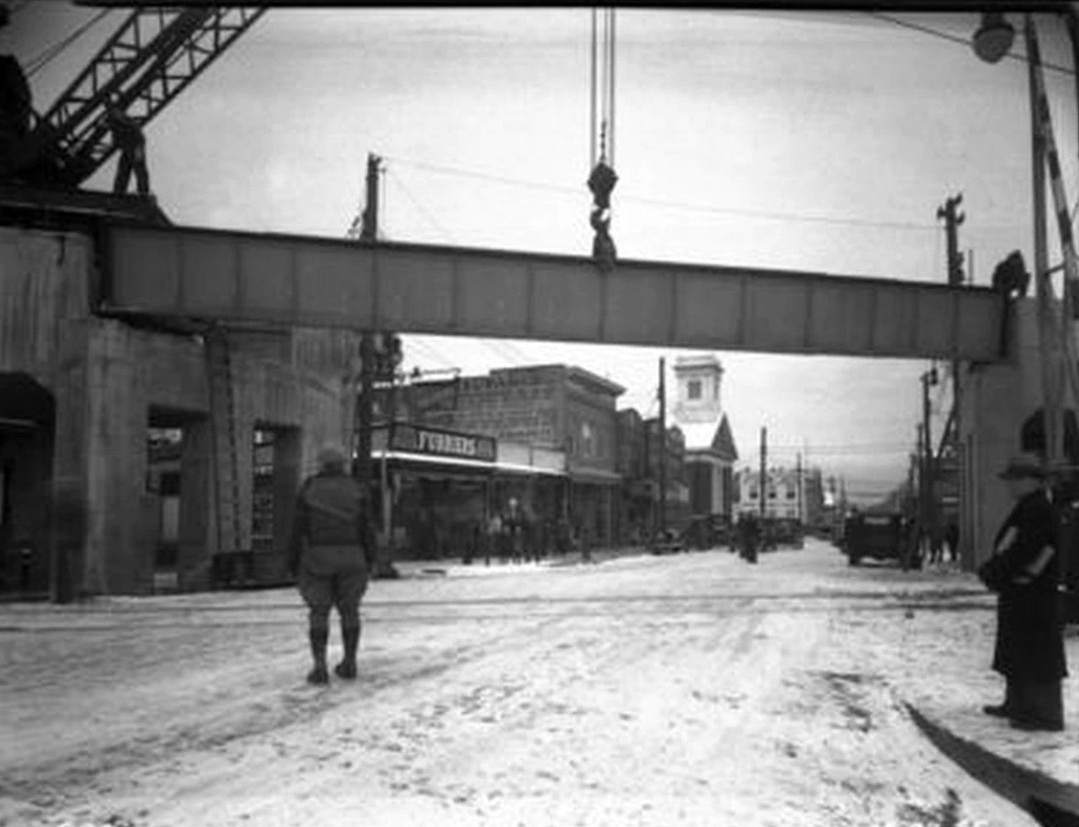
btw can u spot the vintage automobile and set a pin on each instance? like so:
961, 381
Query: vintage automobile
881, 536
785, 531
705, 531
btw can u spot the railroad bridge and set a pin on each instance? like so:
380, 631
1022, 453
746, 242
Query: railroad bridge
115, 322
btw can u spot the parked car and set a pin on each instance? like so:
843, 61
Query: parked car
666, 542
705, 531
882, 536
786, 531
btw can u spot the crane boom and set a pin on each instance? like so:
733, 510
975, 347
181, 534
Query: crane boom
146, 63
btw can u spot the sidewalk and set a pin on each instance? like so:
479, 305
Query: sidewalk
456, 567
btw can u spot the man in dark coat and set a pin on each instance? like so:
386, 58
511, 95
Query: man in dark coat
131, 142
749, 532
1029, 650
330, 555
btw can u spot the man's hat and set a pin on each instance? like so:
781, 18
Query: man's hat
1023, 466
331, 455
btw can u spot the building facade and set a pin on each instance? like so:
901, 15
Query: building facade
557, 409
787, 493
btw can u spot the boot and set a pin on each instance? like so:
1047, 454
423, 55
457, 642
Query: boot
318, 637
347, 667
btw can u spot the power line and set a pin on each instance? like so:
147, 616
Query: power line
967, 42
771, 215
781, 216
485, 176
47, 56
423, 210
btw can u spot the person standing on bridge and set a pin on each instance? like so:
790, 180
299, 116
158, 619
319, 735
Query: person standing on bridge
1029, 649
130, 141
330, 554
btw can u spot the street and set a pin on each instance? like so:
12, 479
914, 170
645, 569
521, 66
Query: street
688, 689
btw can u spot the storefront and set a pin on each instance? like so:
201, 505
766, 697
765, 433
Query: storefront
438, 489
433, 488
593, 494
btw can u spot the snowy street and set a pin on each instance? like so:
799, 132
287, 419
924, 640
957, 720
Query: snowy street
688, 689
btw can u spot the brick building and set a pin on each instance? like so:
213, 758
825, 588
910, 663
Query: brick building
552, 408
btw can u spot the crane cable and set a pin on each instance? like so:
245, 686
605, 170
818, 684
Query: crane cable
602, 178
603, 64
40, 61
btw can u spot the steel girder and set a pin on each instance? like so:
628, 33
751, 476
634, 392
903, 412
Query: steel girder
308, 281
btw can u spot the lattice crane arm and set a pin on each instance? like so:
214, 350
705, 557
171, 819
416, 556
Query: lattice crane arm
144, 65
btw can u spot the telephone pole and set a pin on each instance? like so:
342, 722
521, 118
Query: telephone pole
949, 213
798, 490
764, 466
662, 448
952, 218
372, 362
928, 504
367, 235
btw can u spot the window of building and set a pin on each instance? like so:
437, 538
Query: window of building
790, 493
753, 493
772, 494
694, 389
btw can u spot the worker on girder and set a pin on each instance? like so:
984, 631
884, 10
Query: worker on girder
15, 104
131, 142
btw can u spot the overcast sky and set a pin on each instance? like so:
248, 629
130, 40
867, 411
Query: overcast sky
812, 141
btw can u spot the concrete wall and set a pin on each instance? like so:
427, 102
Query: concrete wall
994, 401
106, 376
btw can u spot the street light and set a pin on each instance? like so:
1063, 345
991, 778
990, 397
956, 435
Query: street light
991, 42
994, 37
988, 40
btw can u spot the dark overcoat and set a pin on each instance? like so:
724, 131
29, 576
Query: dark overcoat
1029, 642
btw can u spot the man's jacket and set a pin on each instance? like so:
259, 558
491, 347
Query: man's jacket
329, 531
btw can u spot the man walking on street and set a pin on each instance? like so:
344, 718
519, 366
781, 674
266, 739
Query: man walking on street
330, 555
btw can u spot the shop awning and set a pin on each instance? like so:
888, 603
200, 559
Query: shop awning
517, 468
465, 465
473, 465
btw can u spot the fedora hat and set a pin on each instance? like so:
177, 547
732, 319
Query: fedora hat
1023, 466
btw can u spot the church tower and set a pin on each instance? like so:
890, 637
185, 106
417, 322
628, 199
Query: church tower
698, 379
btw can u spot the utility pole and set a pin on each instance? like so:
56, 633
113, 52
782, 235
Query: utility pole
949, 212
764, 466
1047, 344
908, 500
798, 490
368, 234
662, 448
927, 516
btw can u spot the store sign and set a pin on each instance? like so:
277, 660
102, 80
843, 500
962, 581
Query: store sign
443, 443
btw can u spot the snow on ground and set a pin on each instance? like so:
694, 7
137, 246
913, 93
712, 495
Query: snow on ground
690, 689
